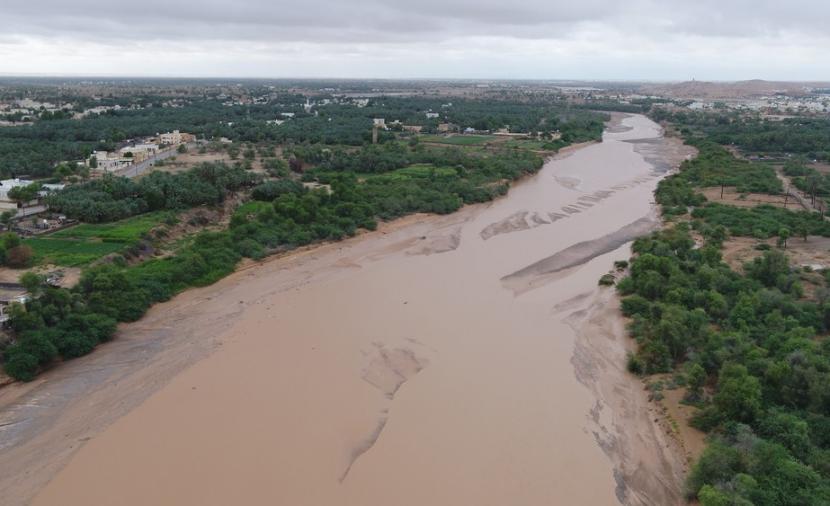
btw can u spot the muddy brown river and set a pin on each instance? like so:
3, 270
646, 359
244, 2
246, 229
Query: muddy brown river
468, 359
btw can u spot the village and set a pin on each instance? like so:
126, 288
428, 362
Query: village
24, 209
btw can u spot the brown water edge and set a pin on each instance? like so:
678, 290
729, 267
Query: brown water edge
388, 369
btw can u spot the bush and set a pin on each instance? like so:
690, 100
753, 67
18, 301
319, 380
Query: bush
19, 256
270, 190
635, 305
19, 364
621, 265
634, 364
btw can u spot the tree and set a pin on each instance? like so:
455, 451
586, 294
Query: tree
19, 256
768, 267
802, 228
22, 194
695, 378
7, 216
182, 148
32, 283
783, 235
11, 240
739, 394
19, 364
710, 496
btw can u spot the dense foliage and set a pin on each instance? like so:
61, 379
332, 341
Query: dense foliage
38, 148
284, 214
749, 346
114, 197
752, 133
714, 166
750, 340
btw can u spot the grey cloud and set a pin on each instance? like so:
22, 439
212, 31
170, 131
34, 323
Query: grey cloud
366, 21
424, 37
373, 21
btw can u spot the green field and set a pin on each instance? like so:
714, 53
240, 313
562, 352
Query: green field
458, 140
129, 230
528, 144
424, 170
86, 243
414, 171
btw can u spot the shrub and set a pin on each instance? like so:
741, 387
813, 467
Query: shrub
634, 364
19, 256
19, 364
270, 190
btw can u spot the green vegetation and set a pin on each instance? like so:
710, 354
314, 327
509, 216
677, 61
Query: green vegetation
714, 166
763, 221
70, 253
458, 140
425, 170
85, 243
14, 252
753, 337
113, 198
285, 214
39, 148
750, 345
807, 179
809, 137
536, 145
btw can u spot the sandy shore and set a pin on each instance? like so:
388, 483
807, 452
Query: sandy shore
464, 359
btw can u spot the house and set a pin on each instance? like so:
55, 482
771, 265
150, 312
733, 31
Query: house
171, 138
139, 152
11, 294
379, 123
48, 188
110, 162
6, 185
432, 115
447, 127
175, 138
287, 114
416, 129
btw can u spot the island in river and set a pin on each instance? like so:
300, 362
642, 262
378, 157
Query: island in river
445, 360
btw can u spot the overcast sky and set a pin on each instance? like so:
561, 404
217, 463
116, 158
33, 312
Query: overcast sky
546, 39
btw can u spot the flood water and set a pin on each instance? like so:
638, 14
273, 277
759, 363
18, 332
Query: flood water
439, 361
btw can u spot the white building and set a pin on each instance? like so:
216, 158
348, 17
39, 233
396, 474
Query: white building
110, 162
6, 185
379, 122
51, 187
140, 151
432, 115
170, 138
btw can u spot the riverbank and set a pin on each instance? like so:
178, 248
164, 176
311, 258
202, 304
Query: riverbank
392, 368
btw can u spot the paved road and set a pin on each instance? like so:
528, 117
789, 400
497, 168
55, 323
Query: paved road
145, 166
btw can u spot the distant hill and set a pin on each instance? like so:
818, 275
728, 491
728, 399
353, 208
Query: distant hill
728, 90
